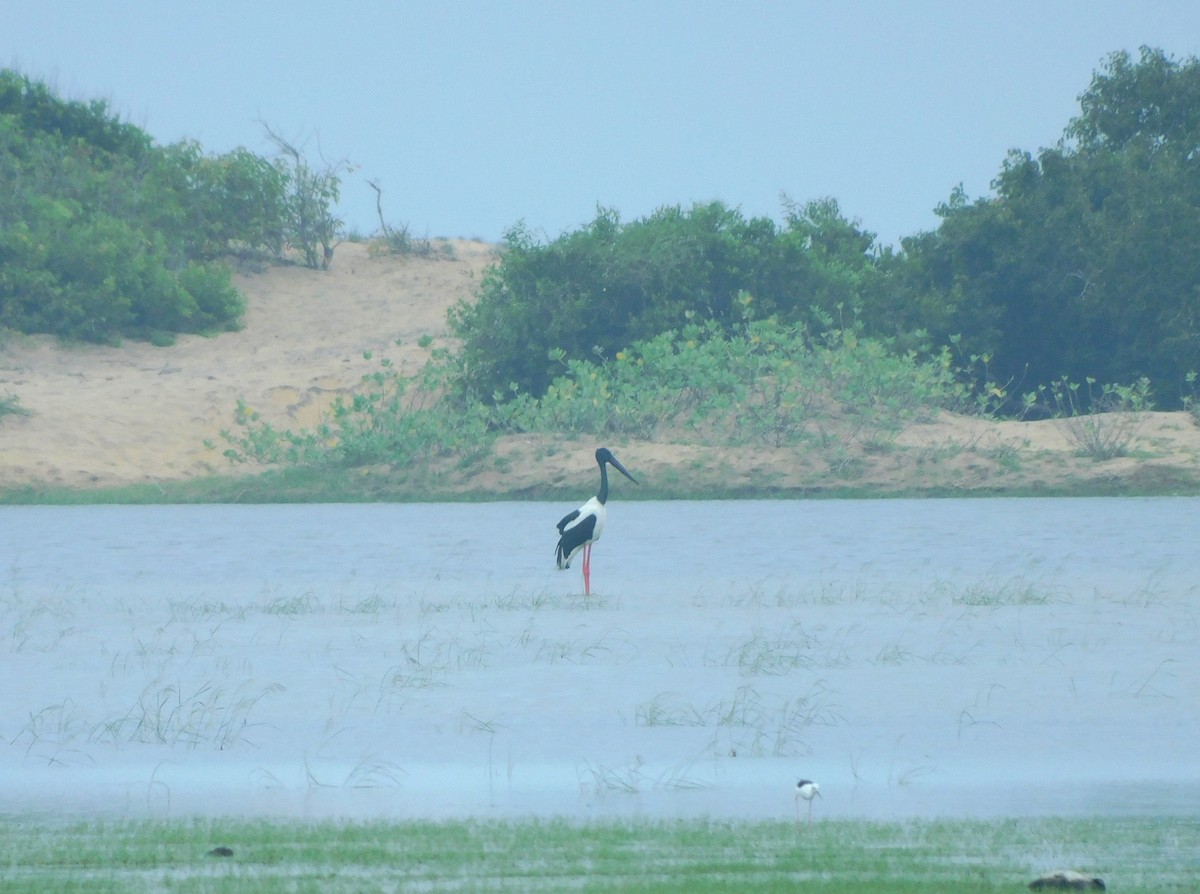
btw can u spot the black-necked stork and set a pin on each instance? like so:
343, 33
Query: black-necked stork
806, 790
582, 527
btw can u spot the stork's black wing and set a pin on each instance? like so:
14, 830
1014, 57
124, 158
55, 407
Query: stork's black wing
573, 539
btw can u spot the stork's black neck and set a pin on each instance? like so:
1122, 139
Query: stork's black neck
602, 496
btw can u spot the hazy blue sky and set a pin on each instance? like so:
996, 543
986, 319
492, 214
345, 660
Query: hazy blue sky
477, 115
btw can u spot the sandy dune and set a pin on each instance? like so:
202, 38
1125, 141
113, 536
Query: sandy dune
103, 416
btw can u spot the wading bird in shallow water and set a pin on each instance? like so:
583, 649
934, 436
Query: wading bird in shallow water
806, 790
582, 527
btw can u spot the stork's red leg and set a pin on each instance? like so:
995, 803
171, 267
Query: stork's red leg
587, 569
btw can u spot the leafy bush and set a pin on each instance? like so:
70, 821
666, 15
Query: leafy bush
236, 202
217, 303
595, 291
769, 383
36, 109
99, 276
394, 419
104, 234
1101, 421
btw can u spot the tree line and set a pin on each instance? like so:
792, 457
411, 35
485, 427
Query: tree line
1083, 264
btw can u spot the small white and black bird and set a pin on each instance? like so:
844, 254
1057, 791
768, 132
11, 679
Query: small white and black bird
582, 528
806, 790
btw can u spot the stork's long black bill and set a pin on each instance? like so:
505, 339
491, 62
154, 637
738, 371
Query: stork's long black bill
620, 468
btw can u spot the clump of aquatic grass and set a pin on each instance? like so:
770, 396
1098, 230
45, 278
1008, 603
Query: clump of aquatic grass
369, 772
427, 661
10, 405
768, 654
972, 717
1133, 855
48, 731
402, 677
570, 651
367, 605
747, 723
896, 653
1013, 592
665, 710
1161, 682
635, 777
602, 778
612, 644
201, 609
300, 604
207, 716
517, 601
763, 595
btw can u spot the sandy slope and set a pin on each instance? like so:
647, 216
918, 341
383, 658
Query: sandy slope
102, 416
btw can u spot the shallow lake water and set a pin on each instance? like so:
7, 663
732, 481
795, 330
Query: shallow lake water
917, 658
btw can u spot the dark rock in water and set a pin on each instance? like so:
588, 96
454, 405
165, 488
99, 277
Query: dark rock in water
1067, 880
221, 851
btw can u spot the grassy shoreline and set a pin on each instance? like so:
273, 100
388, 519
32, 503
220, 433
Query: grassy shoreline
1131, 854
300, 485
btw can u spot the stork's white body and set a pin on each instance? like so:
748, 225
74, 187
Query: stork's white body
583, 528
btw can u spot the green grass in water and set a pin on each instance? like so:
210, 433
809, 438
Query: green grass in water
927, 856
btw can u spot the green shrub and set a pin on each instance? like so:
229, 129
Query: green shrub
1191, 396
394, 419
236, 202
595, 291
103, 234
218, 304
1101, 421
770, 383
